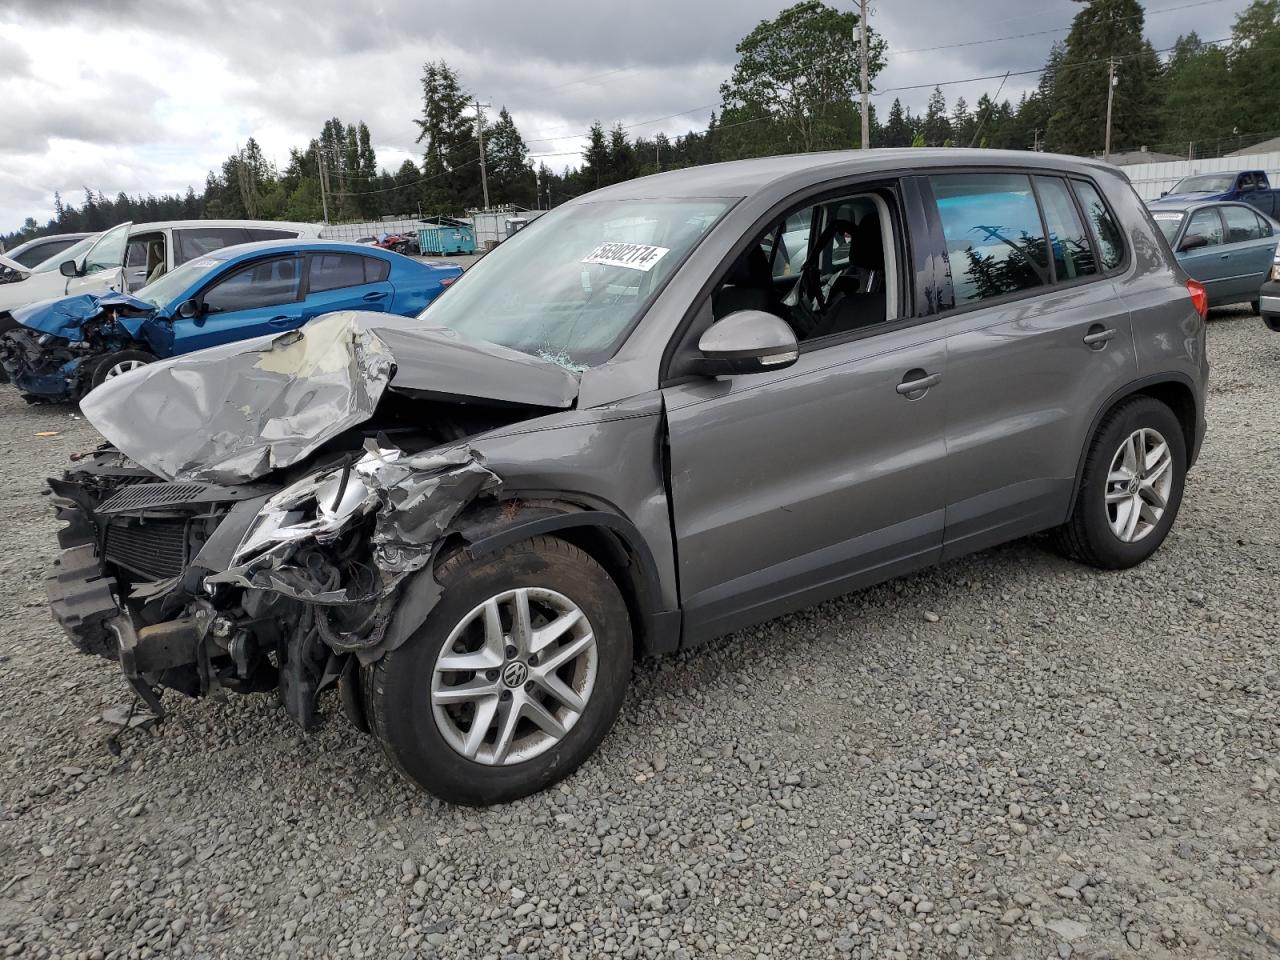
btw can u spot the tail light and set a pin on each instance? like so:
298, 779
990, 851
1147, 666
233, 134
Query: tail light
1199, 298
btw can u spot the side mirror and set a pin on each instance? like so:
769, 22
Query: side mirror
749, 341
1164, 193
1193, 242
68, 268
188, 309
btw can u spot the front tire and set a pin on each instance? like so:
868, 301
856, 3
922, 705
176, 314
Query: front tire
118, 363
1131, 487
513, 679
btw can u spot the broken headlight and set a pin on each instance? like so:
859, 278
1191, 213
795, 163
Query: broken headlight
318, 507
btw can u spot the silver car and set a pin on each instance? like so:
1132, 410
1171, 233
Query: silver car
631, 428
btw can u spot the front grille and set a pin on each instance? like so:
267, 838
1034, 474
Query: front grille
143, 496
156, 549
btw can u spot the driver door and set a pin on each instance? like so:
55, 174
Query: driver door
248, 301
794, 485
102, 269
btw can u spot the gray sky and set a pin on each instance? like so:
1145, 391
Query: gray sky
149, 95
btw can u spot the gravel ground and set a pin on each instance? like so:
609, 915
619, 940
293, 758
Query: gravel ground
1009, 756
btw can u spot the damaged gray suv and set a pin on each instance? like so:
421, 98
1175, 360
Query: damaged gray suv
663, 411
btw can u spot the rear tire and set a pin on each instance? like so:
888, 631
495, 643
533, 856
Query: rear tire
1117, 520
1255, 307
419, 697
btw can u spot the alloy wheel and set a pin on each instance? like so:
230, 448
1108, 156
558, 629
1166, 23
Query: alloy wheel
514, 676
1138, 485
124, 366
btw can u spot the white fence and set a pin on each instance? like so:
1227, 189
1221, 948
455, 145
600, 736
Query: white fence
1152, 179
371, 228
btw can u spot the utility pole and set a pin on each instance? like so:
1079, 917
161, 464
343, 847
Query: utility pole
1111, 94
862, 59
1035, 140
484, 175
324, 182
657, 154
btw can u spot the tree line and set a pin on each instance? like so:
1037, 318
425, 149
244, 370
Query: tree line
794, 88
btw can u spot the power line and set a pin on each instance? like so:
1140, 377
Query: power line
1025, 73
1041, 33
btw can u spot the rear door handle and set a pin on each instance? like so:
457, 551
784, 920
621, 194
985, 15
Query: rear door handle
282, 321
371, 297
917, 382
1098, 336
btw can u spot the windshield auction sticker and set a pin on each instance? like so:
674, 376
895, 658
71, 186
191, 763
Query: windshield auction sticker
633, 256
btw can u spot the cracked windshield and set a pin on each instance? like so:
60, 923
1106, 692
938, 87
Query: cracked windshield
569, 287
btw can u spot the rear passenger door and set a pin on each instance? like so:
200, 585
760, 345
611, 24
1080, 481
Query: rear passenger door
1037, 338
346, 281
1250, 250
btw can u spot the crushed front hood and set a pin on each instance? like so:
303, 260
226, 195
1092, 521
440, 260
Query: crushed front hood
65, 316
233, 413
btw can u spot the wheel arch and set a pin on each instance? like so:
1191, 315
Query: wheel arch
607, 536
1174, 390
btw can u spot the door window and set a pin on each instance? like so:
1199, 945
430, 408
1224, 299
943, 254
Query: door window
1068, 238
1106, 232
264, 284
108, 252
195, 241
841, 279
145, 260
333, 271
995, 240
1205, 223
1242, 225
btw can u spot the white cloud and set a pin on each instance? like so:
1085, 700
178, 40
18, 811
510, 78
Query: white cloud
121, 95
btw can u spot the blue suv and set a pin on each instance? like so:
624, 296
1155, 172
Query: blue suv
65, 347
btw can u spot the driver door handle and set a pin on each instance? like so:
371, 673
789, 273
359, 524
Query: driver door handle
917, 381
1098, 335
282, 321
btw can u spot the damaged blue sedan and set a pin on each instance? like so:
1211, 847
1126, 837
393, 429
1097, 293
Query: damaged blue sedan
63, 348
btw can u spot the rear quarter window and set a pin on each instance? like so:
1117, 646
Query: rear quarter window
1107, 235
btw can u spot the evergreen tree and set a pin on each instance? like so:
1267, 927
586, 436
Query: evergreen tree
936, 128
622, 161
1198, 104
595, 158
1102, 30
1255, 67
899, 131
963, 124
510, 173
451, 154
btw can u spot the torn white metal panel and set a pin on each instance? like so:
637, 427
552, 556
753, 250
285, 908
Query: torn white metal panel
232, 413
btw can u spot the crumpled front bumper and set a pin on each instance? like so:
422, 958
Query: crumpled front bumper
52, 373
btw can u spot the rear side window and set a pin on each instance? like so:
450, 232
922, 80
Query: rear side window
995, 240
196, 241
1068, 238
333, 271
1106, 232
1242, 225
265, 233
1205, 223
